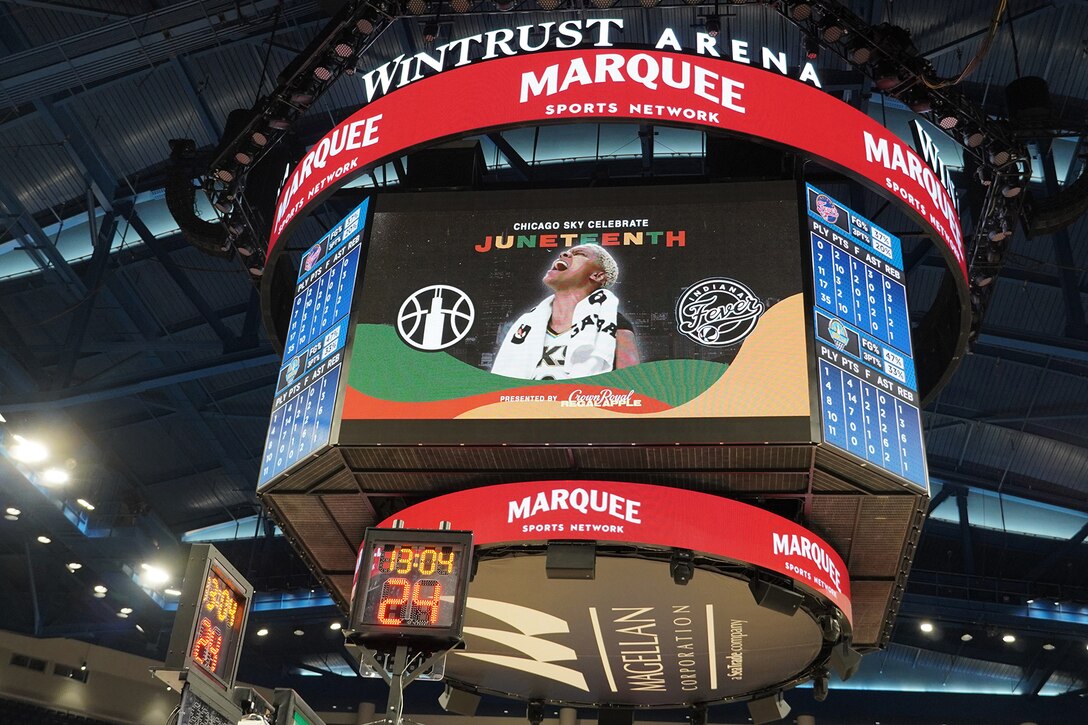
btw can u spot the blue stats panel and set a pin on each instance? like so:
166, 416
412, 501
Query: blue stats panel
868, 387
317, 332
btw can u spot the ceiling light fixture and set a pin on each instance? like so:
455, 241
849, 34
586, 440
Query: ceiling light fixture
966, 637
12, 511
1008, 638
926, 627
55, 476
172, 592
85, 504
335, 626
74, 566
28, 451
43, 539
262, 632
154, 576
126, 610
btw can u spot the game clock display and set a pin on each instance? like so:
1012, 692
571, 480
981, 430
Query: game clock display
220, 614
411, 584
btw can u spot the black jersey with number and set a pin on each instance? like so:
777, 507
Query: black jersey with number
554, 354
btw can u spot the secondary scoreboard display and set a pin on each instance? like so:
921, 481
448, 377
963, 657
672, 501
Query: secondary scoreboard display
317, 332
411, 584
212, 613
868, 389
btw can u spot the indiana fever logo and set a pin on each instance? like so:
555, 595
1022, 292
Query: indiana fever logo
718, 312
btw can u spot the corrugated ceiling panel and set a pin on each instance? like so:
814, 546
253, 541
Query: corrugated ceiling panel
134, 120
36, 166
1050, 43
228, 77
221, 282
160, 294
1021, 306
41, 26
978, 377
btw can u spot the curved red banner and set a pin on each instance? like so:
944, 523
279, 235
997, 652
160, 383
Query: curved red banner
610, 84
634, 513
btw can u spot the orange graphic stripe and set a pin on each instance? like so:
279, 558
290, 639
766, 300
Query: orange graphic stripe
360, 406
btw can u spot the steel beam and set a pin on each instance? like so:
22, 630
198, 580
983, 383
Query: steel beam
96, 271
1060, 552
83, 395
1075, 325
230, 342
965, 532
517, 162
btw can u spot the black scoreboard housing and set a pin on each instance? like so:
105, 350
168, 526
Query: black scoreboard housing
368, 633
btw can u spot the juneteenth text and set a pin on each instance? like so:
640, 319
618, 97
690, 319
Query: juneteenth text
667, 238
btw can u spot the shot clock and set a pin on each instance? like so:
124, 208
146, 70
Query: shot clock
212, 612
411, 585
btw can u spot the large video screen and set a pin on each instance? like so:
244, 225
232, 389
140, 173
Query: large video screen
604, 310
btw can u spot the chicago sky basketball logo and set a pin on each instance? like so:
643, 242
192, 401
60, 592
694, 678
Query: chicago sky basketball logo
435, 317
718, 312
838, 333
827, 209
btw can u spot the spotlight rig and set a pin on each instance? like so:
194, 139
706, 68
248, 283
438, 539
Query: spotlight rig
334, 52
887, 55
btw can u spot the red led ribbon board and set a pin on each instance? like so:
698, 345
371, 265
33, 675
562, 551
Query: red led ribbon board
623, 85
631, 636
632, 513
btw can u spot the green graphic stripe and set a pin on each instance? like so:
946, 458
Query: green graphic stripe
383, 367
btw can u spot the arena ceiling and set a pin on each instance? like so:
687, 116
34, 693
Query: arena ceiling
144, 365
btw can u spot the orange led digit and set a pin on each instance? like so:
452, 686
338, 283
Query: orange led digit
404, 559
431, 604
389, 601
208, 644
445, 559
427, 564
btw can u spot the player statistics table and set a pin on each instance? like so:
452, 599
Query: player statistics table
868, 389
317, 332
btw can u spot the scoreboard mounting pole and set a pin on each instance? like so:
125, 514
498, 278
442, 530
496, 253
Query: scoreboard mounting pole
408, 604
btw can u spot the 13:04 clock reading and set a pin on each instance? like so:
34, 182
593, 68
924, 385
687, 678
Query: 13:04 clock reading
426, 560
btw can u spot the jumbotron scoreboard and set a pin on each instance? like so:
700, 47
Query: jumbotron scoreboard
868, 390
729, 508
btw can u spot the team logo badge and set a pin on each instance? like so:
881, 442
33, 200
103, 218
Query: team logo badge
826, 208
292, 370
597, 297
718, 312
838, 333
520, 334
435, 317
311, 257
